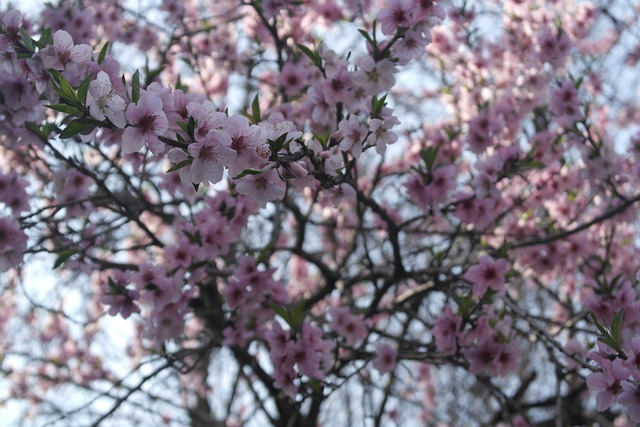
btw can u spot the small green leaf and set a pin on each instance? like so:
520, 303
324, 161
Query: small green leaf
377, 105
297, 314
282, 312
616, 327
46, 38
255, 109
103, 53
135, 87
313, 56
124, 84
63, 256
83, 89
429, 155
532, 164
191, 128
72, 129
27, 40
180, 165
254, 171
63, 108
184, 126
366, 35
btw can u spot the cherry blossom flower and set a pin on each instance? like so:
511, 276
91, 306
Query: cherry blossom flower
245, 141
565, 104
348, 325
148, 122
608, 382
120, 299
64, 55
207, 118
374, 77
396, 15
12, 20
381, 134
210, 156
446, 331
293, 78
352, 133
13, 243
262, 187
630, 397
13, 194
385, 360
104, 102
488, 273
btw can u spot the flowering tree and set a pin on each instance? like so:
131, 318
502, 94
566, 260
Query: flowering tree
399, 212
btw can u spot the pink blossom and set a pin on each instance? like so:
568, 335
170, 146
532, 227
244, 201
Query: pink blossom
148, 122
381, 134
104, 102
488, 273
13, 243
207, 118
608, 382
352, 133
210, 155
64, 55
483, 356
446, 331
396, 15
348, 325
385, 359
630, 398
336, 88
119, 297
565, 104
411, 46
293, 78
245, 141
13, 194
12, 21
553, 47
263, 187
374, 77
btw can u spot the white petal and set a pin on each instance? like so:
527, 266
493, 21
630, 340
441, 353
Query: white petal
62, 40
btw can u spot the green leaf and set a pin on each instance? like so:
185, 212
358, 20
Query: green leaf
277, 145
254, 171
297, 314
429, 155
531, 164
72, 129
616, 327
63, 256
103, 53
377, 105
135, 87
255, 110
366, 35
184, 126
180, 165
313, 56
124, 84
83, 89
282, 312
152, 74
64, 89
191, 128
46, 38
63, 108
27, 40
601, 328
